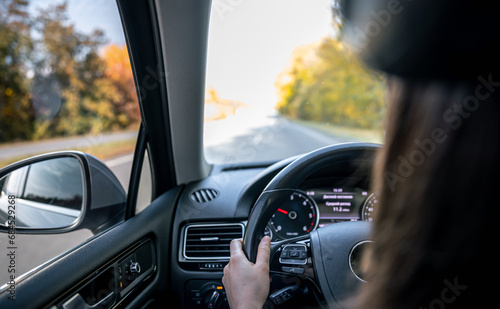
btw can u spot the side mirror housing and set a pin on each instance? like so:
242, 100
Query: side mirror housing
60, 192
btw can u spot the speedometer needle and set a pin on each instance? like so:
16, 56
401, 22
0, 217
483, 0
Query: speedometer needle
283, 211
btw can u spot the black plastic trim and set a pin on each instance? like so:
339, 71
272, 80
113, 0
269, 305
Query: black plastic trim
140, 25
135, 175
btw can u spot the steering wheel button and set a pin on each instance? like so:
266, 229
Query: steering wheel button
293, 270
294, 254
293, 261
284, 253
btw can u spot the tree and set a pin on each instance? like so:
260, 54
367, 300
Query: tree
58, 81
16, 113
325, 82
119, 72
69, 71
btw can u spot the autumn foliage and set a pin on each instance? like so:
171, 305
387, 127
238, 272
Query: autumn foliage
325, 82
119, 71
58, 81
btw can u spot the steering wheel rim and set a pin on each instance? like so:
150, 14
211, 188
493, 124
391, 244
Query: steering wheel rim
278, 191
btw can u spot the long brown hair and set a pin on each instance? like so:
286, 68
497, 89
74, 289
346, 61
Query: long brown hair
438, 181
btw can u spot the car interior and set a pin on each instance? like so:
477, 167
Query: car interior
172, 252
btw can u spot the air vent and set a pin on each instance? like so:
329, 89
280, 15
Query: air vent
202, 242
204, 195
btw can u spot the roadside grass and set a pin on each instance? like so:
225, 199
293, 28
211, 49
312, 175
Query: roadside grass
101, 151
348, 133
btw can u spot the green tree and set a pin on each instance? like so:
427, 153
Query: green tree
325, 82
16, 113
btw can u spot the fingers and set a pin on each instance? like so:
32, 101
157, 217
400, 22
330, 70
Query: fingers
235, 247
264, 251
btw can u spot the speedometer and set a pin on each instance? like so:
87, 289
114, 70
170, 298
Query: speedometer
298, 216
369, 207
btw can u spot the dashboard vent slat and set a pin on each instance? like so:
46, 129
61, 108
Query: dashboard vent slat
202, 242
204, 195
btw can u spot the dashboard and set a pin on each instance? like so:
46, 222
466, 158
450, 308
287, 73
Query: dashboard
213, 211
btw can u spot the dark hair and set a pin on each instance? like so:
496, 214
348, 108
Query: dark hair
438, 178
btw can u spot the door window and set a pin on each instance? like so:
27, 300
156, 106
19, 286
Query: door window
65, 84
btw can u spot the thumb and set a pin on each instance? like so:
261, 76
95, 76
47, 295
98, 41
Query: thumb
264, 251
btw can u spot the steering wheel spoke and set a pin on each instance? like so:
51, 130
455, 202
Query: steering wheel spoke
292, 273
292, 257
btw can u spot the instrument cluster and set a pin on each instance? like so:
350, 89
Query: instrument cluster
314, 207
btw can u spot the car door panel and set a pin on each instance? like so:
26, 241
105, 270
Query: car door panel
61, 278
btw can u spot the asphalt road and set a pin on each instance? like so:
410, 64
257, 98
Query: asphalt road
32, 148
240, 138
252, 136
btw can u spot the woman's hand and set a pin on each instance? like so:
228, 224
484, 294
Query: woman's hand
246, 283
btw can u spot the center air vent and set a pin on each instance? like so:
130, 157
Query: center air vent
202, 242
204, 195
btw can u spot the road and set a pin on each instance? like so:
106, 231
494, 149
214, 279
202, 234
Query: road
32, 148
255, 136
240, 138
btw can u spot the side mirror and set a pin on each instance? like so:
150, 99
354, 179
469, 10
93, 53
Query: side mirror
60, 192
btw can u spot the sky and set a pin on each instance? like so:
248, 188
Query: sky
88, 15
250, 41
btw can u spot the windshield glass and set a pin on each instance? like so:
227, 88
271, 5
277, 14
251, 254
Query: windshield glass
281, 82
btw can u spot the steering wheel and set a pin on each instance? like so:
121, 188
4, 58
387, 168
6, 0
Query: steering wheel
325, 256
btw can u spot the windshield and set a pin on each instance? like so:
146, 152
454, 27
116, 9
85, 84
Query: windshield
281, 82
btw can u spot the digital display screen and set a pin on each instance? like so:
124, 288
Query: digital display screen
338, 204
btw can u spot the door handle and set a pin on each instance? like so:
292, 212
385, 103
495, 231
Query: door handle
77, 302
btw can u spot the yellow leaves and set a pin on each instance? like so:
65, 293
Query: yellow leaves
121, 89
217, 108
326, 82
42, 129
350, 111
117, 62
123, 120
56, 81
212, 96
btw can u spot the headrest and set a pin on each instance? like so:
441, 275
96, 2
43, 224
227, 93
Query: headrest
438, 39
